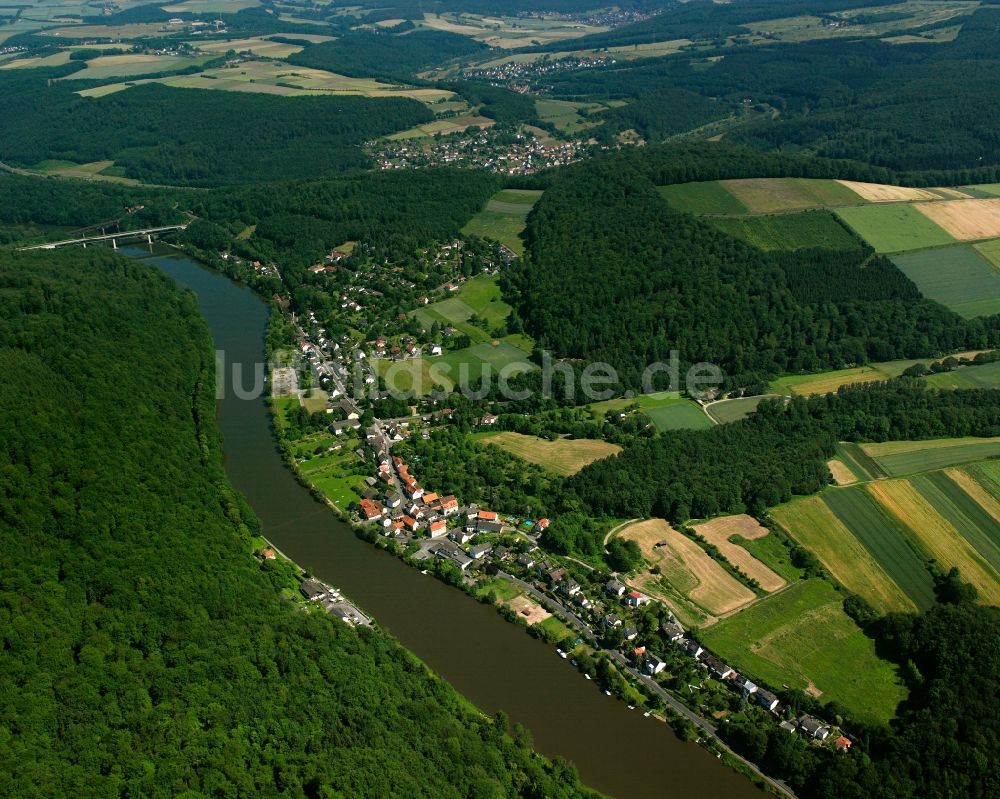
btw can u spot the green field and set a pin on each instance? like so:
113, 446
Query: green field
809, 229
859, 462
504, 218
735, 409
702, 198
899, 458
772, 195
989, 189
886, 539
566, 115
477, 296
894, 227
958, 277
990, 250
986, 375
802, 637
668, 410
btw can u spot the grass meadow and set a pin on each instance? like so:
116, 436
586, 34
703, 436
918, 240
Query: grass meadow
801, 637
805, 230
894, 227
564, 456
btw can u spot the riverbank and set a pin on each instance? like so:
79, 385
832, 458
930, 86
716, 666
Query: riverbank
487, 660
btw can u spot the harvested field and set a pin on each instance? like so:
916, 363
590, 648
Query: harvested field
966, 220
687, 567
842, 474
563, 456
826, 382
883, 193
719, 531
811, 523
528, 610
939, 539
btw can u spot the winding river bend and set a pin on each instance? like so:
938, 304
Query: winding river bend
489, 660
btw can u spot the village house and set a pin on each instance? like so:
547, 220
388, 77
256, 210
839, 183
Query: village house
814, 728
488, 420
842, 744
490, 528
370, 509
449, 505
437, 528
447, 551
480, 551
570, 588
460, 536
652, 665
410, 523
717, 668
614, 588
766, 699
672, 631
542, 525
636, 600
581, 600
525, 561
268, 554
350, 409
630, 633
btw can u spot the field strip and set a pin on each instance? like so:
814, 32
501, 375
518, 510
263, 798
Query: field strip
884, 193
860, 462
938, 538
842, 474
718, 531
971, 486
885, 539
898, 458
813, 524
973, 522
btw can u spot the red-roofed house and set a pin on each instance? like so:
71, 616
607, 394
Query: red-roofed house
449, 506
268, 554
411, 523
430, 497
488, 515
438, 528
370, 509
843, 744
542, 526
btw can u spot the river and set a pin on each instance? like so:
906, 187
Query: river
492, 662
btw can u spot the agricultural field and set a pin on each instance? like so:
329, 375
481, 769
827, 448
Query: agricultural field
720, 532
796, 231
566, 115
801, 637
480, 297
667, 409
958, 277
702, 198
899, 458
989, 189
825, 382
564, 456
965, 220
990, 250
883, 193
986, 375
445, 127
773, 195
271, 77
937, 526
257, 45
895, 227
684, 568
504, 218
810, 522
732, 410
510, 32
125, 66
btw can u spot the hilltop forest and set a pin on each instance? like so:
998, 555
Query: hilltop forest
146, 653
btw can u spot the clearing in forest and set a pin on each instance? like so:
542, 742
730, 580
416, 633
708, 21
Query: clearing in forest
564, 456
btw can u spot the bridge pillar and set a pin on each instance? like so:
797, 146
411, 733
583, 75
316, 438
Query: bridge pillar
114, 244
149, 238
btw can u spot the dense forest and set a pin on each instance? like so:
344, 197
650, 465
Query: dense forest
185, 137
613, 275
909, 107
298, 222
382, 54
145, 651
776, 453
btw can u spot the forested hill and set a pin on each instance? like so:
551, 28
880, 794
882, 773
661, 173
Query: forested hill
613, 275
193, 137
144, 651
